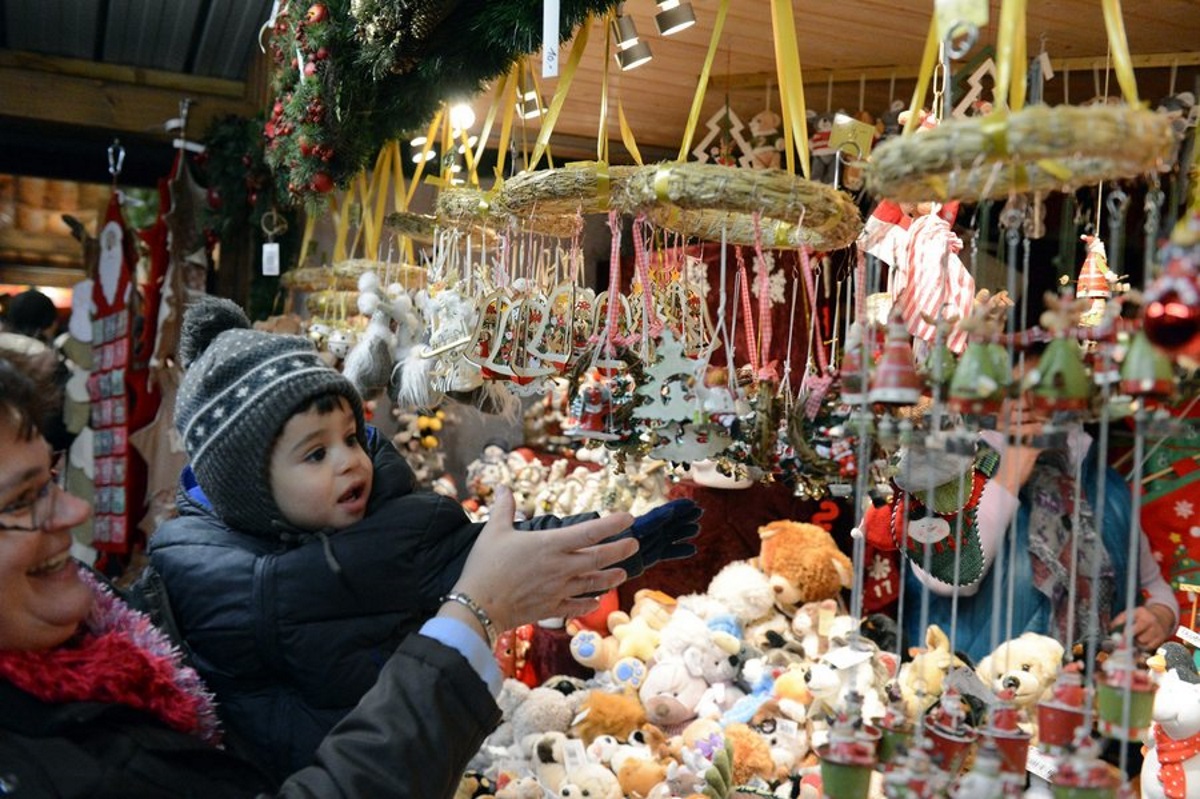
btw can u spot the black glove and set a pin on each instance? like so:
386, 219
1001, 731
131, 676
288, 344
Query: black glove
664, 533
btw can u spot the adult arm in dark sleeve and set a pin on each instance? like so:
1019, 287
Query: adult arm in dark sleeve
428, 707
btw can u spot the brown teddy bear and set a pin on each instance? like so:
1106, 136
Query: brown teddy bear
803, 564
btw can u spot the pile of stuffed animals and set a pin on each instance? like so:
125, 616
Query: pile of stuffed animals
733, 692
727, 692
564, 486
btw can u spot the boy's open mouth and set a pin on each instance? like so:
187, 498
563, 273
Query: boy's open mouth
352, 495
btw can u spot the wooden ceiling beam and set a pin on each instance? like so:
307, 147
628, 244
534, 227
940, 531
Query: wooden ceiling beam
117, 98
756, 80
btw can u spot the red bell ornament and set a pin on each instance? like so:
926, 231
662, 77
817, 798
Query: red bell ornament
1172, 315
896, 381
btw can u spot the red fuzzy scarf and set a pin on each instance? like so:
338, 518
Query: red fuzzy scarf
121, 658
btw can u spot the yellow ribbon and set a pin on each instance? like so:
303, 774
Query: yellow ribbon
341, 215
560, 94
1059, 170
994, 128
434, 124
791, 84
924, 76
509, 102
702, 84
662, 181
627, 135
602, 133
497, 98
309, 222
1118, 43
1008, 60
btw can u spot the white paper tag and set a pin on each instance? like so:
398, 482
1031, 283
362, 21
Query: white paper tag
1040, 764
550, 23
787, 728
271, 259
574, 755
1189, 635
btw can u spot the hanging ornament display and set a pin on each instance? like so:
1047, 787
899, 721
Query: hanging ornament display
1172, 309
1096, 281
895, 380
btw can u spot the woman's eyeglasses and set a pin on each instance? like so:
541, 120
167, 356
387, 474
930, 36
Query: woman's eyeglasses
31, 514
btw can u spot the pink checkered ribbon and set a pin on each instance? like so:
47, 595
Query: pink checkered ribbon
765, 328
751, 338
611, 331
810, 288
642, 261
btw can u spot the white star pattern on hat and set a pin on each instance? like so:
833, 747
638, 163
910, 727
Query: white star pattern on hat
218, 413
242, 392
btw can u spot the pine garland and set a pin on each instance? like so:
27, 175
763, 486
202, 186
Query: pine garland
350, 75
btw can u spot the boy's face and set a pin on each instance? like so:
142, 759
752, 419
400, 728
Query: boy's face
320, 475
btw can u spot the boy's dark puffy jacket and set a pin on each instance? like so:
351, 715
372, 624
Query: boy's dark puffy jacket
290, 632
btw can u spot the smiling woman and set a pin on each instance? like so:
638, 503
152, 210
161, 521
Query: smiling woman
95, 701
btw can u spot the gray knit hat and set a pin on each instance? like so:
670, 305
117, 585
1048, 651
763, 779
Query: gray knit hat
240, 388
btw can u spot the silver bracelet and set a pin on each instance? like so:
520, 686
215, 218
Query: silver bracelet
484, 620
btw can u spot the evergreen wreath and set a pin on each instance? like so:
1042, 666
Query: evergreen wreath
349, 75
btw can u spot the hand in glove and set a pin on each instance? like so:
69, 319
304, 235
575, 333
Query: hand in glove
664, 533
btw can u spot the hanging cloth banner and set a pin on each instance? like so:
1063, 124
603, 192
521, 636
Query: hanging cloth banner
702, 84
791, 85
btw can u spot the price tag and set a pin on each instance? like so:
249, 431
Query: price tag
1040, 764
550, 23
950, 13
851, 135
788, 729
574, 755
1189, 635
270, 259
825, 617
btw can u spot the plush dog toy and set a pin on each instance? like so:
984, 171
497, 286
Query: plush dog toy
802, 563
1026, 665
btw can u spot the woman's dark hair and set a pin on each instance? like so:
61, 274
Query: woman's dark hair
23, 392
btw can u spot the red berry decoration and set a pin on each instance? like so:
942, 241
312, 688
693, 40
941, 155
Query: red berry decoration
322, 53
321, 182
306, 147
316, 13
310, 68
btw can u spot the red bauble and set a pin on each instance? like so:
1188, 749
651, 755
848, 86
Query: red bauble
321, 182
322, 53
310, 68
1174, 325
214, 199
316, 13
306, 147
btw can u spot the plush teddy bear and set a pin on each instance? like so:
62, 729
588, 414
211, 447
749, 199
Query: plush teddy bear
921, 678
1026, 665
802, 563
601, 713
639, 777
590, 781
671, 694
751, 754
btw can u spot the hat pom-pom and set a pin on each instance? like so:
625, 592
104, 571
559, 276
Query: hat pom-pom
368, 303
204, 320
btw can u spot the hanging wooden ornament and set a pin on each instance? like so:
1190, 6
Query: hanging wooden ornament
895, 381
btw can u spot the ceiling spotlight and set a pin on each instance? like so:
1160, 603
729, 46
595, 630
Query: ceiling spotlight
462, 116
673, 16
631, 53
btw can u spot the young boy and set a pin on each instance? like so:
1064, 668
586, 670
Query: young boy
302, 557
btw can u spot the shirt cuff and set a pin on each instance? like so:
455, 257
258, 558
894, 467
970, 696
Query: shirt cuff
461, 638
